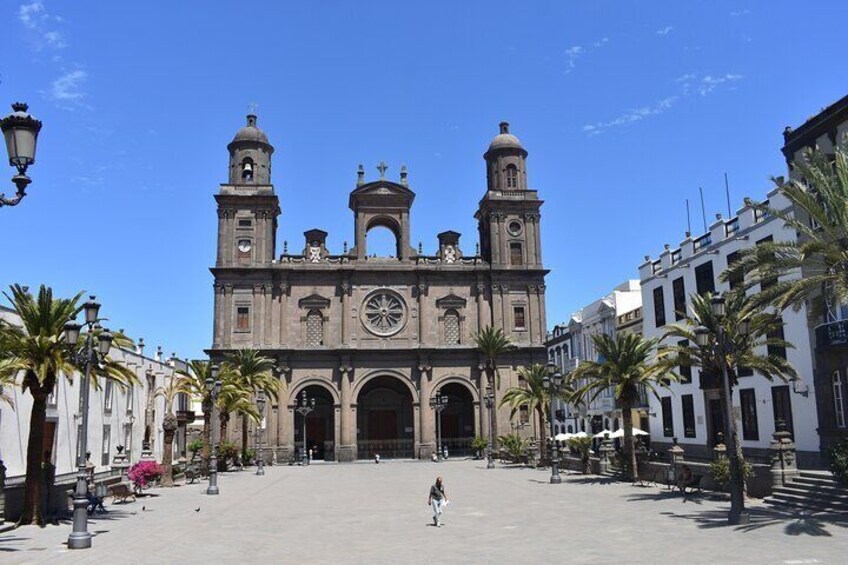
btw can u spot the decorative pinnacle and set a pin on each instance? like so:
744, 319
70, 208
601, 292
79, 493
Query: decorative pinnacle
20, 107
382, 167
403, 173
360, 175
504, 127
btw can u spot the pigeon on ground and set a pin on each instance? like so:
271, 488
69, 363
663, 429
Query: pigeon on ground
143, 508
197, 509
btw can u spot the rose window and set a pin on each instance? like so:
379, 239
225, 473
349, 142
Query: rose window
384, 313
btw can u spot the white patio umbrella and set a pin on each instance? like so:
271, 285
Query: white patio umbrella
619, 433
580, 434
601, 434
563, 437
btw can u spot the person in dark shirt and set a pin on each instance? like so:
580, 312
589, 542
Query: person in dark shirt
437, 500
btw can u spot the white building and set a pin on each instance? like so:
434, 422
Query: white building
687, 410
570, 343
116, 416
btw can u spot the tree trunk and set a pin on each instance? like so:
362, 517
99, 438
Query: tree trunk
630, 463
169, 428
225, 418
35, 451
543, 444
244, 439
490, 376
205, 452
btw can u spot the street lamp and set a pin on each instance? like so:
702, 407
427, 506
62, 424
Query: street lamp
80, 537
213, 388
20, 131
260, 404
438, 403
489, 399
307, 405
721, 348
551, 382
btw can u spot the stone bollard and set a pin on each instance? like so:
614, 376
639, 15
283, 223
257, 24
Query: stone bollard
2, 493
720, 449
120, 462
605, 450
784, 465
675, 459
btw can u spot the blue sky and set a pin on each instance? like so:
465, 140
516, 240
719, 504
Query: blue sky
626, 108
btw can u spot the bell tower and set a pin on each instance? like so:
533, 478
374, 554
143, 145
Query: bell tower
508, 215
247, 205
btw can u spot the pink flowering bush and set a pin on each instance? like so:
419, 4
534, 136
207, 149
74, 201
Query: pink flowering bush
144, 473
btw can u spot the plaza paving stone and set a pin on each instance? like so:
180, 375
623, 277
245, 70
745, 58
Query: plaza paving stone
368, 513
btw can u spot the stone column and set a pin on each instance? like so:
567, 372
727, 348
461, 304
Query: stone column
426, 429
347, 449
284, 312
2, 493
537, 237
605, 452
268, 311
227, 316
530, 239
532, 314
229, 238
784, 466
421, 289
258, 314
345, 292
218, 321
494, 243
675, 458
540, 301
222, 224
481, 288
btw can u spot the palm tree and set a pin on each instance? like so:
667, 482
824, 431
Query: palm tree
233, 397
178, 384
625, 367
255, 373
39, 351
742, 347
195, 384
492, 343
535, 397
819, 214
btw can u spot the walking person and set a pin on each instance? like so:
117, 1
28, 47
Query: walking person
437, 499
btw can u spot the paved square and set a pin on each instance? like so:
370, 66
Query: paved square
367, 513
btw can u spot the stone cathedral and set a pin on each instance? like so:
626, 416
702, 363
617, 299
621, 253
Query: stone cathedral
367, 341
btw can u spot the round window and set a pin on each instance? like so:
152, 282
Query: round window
384, 313
514, 227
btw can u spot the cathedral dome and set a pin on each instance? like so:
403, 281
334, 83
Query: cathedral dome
505, 139
250, 132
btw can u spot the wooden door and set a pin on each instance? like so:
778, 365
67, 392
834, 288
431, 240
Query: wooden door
316, 434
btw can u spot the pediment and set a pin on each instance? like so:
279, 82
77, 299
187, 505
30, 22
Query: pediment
381, 193
314, 301
451, 301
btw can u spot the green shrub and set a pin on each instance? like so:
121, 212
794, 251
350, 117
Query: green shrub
479, 443
514, 444
839, 461
195, 446
720, 471
227, 454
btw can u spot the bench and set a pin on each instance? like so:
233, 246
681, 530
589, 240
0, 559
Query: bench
95, 504
121, 491
694, 484
191, 476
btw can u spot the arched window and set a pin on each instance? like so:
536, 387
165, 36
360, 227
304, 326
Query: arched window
314, 328
511, 176
570, 429
452, 333
247, 167
838, 400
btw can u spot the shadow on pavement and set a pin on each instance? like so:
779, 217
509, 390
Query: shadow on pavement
795, 523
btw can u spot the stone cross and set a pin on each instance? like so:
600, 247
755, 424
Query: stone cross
251, 108
382, 167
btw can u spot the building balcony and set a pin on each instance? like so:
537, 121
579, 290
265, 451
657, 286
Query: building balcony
832, 334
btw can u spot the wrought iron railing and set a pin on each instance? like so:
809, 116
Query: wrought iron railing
834, 333
385, 448
458, 446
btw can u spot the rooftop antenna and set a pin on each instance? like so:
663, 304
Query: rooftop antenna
703, 211
688, 221
727, 194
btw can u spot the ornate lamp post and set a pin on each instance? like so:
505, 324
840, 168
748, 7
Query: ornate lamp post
489, 399
80, 538
438, 403
307, 405
721, 347
213, 387
551, 383
260, 404
20, 131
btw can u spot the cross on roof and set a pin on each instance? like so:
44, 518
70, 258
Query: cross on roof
382, 168
251, 108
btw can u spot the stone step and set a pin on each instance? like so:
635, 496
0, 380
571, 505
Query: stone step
813, 490
809, 502
795, 495
808, 507
817, 481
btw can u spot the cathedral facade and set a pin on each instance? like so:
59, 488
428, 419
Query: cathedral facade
364, 343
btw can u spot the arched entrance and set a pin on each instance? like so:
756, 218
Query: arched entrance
457, 420
384, 420
320, 424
